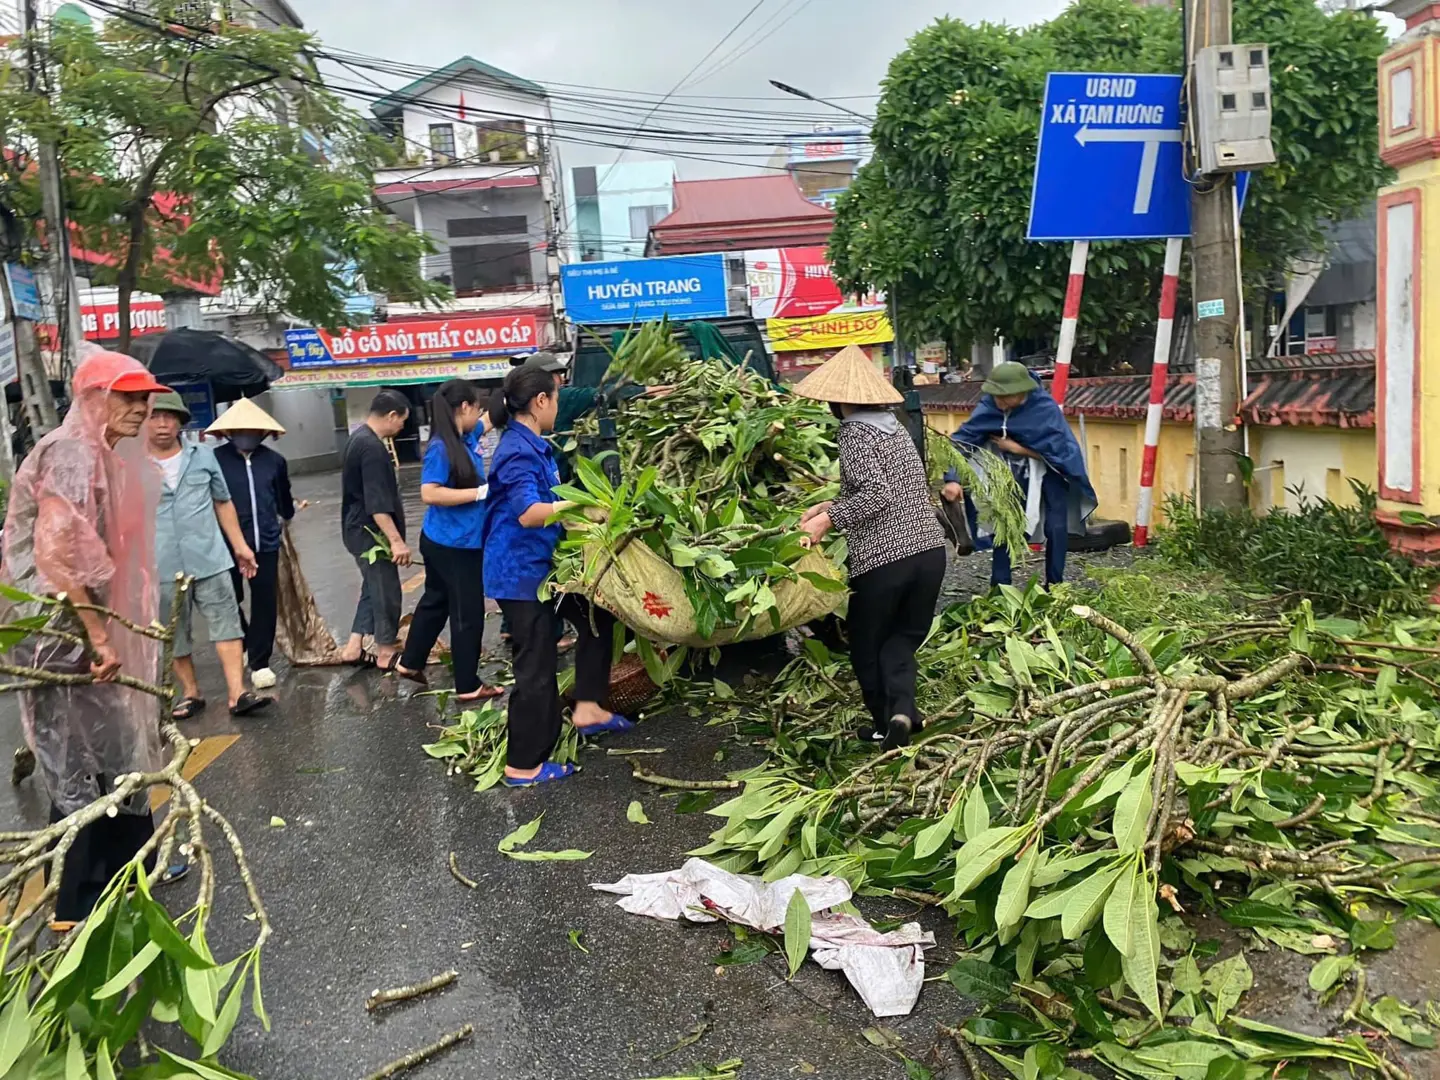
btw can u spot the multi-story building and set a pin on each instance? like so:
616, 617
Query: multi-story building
612, 208
823, 162
478, 173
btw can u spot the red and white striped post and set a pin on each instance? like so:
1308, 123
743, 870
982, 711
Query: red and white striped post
1079, 257
1159, 373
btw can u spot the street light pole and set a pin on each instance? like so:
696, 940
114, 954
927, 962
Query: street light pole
785, 88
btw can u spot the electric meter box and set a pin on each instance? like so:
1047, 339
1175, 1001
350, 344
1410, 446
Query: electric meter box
1232, 108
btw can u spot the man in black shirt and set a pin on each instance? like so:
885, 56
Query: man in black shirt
371, 511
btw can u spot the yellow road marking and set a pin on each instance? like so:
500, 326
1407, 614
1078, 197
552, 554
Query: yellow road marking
200, 759
414, 582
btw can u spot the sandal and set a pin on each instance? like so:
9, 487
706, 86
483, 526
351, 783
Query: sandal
485, 693
174, 872
364, 660
186, 708
616, 725
250, 702
419, 677
548, 772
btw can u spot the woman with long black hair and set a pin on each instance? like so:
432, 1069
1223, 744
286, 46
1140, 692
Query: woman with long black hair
519, 551
452, 486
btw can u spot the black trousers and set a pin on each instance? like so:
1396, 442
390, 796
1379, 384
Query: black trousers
100, 851
891, 609
534, 709
259, 625
454, 592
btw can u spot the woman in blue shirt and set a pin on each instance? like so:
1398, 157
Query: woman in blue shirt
519, 549
452, 487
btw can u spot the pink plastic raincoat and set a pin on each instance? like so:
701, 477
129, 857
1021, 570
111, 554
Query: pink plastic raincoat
82, 512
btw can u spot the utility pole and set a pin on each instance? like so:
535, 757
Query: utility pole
60, 268
1219, 330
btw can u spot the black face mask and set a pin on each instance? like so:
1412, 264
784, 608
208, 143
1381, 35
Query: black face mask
836, 411
247, 442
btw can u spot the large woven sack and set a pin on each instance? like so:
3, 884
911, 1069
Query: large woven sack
647, 594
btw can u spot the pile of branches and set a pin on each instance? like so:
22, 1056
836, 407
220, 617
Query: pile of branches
1080, 783
715, 476
70, 1004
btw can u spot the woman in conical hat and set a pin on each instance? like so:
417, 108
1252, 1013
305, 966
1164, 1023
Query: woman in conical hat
896, 546
259, 479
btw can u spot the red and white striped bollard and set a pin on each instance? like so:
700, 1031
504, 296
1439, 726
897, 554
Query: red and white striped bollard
1159, 374
1079, 257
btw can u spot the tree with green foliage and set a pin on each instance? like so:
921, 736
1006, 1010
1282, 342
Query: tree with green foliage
202, 152
938, 217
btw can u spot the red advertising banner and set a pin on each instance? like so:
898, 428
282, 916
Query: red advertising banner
795, 283
101, 322
438, 339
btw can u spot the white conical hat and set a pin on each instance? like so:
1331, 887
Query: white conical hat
849, 378
245, 415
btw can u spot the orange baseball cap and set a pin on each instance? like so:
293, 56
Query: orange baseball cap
115, 371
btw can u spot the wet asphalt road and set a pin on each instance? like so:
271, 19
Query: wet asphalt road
358, 889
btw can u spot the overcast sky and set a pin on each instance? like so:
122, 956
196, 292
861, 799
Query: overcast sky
826, 47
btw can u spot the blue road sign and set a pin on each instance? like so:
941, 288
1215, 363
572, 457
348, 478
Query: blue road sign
24, 292
1110, 164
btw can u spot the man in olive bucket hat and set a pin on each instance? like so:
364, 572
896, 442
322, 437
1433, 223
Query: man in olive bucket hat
1022, 423
195, 520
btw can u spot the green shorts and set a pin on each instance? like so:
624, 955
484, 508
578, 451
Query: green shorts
214, 596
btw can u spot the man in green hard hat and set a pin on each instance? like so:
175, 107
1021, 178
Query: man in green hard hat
1025, 426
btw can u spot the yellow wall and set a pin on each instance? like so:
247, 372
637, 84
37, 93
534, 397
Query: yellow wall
1320, 458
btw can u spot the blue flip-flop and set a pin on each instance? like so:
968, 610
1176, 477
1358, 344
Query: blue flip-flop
551, 770
614, 726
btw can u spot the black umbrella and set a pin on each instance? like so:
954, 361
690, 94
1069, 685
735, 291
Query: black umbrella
232, 368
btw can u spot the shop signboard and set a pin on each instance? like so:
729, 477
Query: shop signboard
9, 363
199, 398
433, 371
829, 331
389, 343
643, 290
24, 292
789, 283
849, 144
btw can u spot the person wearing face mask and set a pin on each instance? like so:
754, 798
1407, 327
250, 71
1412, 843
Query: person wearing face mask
452, 487
519, 552
259, 482
82, 522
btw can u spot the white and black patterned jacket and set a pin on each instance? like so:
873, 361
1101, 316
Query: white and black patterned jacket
884, 507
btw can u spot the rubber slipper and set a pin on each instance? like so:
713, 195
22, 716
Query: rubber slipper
549, 771
250, 702
614, 726
485, 693
174, 872
185, 708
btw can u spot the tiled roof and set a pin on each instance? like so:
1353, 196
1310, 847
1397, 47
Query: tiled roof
1333, 390
467, 65
744, 211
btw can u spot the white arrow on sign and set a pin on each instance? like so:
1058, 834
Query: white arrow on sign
1149, 156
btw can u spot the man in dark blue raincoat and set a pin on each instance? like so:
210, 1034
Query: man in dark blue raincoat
1023, 424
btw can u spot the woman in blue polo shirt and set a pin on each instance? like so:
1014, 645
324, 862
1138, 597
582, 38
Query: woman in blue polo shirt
519, 548
452, 486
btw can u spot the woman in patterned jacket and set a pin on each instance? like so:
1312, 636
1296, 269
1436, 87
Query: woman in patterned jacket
896, 546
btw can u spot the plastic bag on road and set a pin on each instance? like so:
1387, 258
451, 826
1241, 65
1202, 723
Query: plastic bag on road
887, 970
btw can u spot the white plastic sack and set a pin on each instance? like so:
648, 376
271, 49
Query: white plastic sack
887, 970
